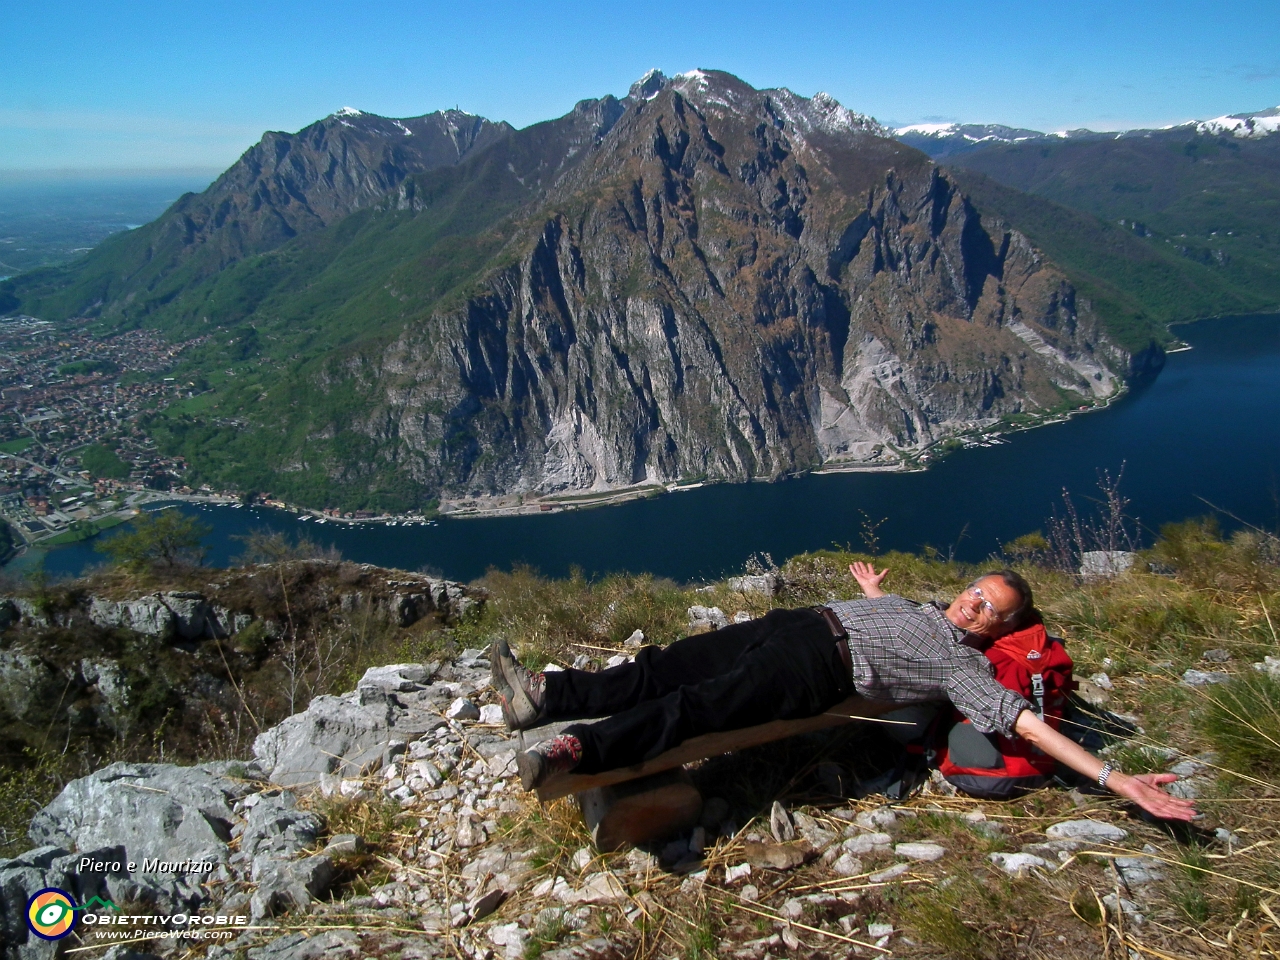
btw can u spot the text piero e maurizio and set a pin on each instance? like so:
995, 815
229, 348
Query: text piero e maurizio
149, 865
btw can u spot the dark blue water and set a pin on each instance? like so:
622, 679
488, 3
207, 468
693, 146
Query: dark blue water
1208, 427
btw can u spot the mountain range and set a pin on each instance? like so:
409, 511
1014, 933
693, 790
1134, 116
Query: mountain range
700, 279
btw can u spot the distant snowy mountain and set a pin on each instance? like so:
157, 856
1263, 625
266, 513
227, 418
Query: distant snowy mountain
942, 140
1260, 124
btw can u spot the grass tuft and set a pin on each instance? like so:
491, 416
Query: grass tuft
1242, 720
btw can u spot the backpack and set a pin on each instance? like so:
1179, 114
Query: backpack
1037, 666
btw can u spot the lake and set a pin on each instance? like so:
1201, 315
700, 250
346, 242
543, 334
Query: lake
1206, 429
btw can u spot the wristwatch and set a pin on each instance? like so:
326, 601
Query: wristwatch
1107, 769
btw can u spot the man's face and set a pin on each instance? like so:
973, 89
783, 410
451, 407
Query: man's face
983, 607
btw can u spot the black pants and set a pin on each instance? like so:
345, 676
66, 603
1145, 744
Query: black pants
782, 666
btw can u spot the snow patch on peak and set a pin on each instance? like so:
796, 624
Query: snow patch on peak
648, 86
929, 129
406, 130
823, 113
1249, 125
348, 112
698, 78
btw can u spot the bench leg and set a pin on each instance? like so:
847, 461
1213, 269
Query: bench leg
644, 810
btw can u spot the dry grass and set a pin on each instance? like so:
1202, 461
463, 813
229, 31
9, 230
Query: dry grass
1144, 630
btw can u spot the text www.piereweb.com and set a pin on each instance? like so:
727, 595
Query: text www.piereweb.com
101, 936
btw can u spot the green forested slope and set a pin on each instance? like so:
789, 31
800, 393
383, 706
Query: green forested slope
1209, 206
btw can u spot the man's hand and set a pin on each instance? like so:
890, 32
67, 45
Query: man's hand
868, 579
1144, 790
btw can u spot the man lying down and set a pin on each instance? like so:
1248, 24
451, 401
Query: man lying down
791, 664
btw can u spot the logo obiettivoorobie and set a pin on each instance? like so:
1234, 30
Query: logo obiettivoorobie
51, 913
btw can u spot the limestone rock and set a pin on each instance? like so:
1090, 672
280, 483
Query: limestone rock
706, 618
154, 811
1104, 564
1018, 864
462, 709
880, 819
317, 945
865, 843
846, 865
1203, 678
780, 824
1092, 830
920, 851
344, 845
767, 584
28, 684
346, 735
890, 873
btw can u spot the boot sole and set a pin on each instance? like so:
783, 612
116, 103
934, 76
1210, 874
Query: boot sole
517, 709
530, 765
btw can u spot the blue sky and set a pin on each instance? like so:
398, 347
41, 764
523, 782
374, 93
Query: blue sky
119, 85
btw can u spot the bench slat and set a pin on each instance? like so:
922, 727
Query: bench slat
714, 744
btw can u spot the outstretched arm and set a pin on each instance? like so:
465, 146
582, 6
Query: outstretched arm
868, 579
1144, 789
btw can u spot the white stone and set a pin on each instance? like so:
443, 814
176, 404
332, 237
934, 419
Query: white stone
749, 892
503, 764
462, 709
714, 616
1131, 911
793, 909
581, 859
617, 661
878, 930
1139, 870
890, 873
1202, 678
426, 770
492, 713
353, 789
847, 865
1270, 666
920, 851
881, 819
1105, 563
736, 873
598, 888
1103, 681
1018, 864
865, 843
1086, 830
635, 640
764, 583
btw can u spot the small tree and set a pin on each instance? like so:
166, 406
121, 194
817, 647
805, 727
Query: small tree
165, 540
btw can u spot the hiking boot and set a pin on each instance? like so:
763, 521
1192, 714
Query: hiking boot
522, 692
547, 759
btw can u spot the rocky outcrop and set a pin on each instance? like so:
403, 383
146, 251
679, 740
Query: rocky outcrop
158, 814
184, 615
101, 666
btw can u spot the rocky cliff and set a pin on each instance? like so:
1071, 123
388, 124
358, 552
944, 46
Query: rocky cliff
733, 283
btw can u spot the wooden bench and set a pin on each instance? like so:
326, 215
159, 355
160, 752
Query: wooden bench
655, 799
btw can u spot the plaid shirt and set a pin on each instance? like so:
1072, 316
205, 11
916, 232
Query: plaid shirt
909, 652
